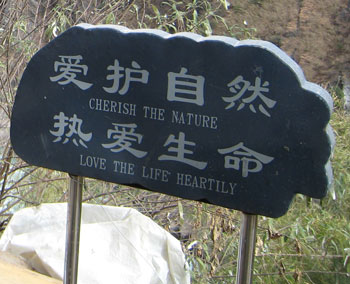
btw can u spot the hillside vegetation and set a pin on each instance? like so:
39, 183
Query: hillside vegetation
311, 243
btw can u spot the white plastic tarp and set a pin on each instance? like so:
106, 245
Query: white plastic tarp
117, 245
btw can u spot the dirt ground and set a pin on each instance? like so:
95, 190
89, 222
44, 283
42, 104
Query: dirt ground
315, 33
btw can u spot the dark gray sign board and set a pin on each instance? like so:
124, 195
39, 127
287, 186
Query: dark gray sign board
231, 123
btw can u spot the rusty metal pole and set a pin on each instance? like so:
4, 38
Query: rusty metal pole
73, 230
246, 248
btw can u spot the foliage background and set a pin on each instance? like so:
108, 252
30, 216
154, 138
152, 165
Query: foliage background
311, 243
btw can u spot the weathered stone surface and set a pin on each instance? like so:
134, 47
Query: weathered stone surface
211, 119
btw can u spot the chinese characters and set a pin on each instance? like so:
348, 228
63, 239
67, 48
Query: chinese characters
124, 135
246, 93
182, 87
70, 128
185, 88
69, 67
131, 75
245, 159
180, 151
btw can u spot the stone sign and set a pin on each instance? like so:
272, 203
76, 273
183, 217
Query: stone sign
210, 119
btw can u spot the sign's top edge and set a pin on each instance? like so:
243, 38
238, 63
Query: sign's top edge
284, 57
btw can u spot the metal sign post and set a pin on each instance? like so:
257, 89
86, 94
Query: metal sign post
246, 248
73, 230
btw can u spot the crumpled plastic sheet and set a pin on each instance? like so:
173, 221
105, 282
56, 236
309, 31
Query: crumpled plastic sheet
117, 245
